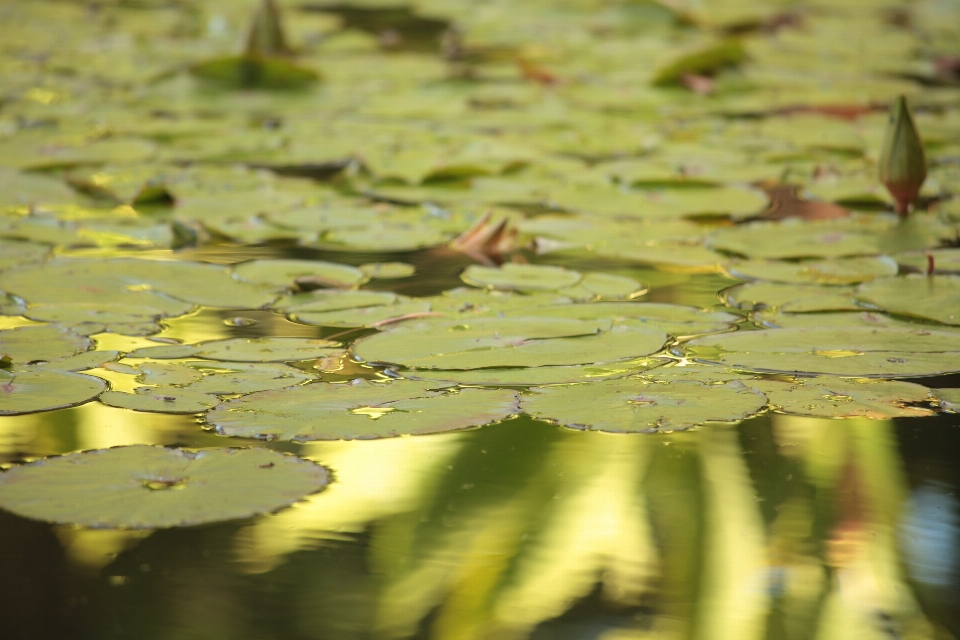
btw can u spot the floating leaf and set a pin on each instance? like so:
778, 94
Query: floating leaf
81, 361
521, 277
840, 398
254, 72
835, 272
364, 316
284, 273
155, 286
944, 260
538, 376
846, 351
41, 342
674, 319
633, 406
840, 319
949, 399
166, 373
795, 298
508, 342
360, 410
830, 238
165, 351
13, 252
147, 487
706, 61
934, 298
266, 349
242, 377
161, 400
39, 389
387, 270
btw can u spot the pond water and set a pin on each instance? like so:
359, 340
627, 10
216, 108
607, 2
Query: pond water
464, 320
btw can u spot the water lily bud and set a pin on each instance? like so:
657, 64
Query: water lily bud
266, 37
903, 167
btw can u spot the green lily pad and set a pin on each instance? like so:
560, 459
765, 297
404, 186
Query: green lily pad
41, 342
165, 351
147, 487
856, 236
387, 270
632, 406
79, 313
538, 376
836, 271
161, 400
841, 398
675, 319
521, 277
13, 252
775, 320
362, 317
283, 273
944, 260
246, 72
603, 286
266, 349
705, 374
934, 298
949, 399
81, 361
360, 410
508, 342
861, 352
244, 377
793, 298
167, 373
706, 61
323, 300
39, 389
153, 285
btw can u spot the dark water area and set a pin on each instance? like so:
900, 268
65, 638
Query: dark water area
761, 528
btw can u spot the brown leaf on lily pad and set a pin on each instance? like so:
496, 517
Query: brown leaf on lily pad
786, 203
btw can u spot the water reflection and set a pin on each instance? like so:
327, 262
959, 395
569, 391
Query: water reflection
779, 527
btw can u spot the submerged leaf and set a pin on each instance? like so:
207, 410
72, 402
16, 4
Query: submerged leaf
360, 410
147, 487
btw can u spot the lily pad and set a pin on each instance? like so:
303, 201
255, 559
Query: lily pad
841, 398
362, 317
633, 406
835, 271
147, 487
949, 399
775, 320
283, 273
508, 342
538, 376
388, 270
81, 361
245, 72
944, 260
675, 319
360, 410
167, 373
161, 400
13, 253
793, 298
521, 277
845, 351
40, 389
165, 351
266, 349
934, 298
323, 300
152, 285
41, 342
242, 377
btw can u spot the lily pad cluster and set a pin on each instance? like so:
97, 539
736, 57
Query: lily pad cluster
400, 237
